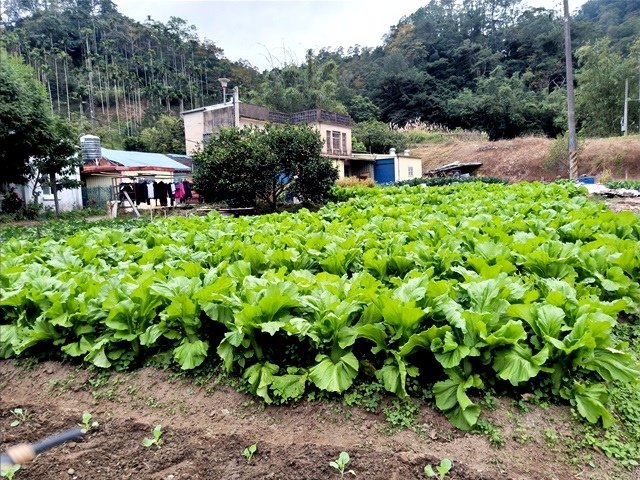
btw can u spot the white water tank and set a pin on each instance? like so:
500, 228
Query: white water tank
91, 151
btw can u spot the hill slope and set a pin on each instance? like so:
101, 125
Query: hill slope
530, 158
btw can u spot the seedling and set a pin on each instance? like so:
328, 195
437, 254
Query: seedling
341, 463
21, 416
443, 469
9, 472
87, 424
157, 437
249, 451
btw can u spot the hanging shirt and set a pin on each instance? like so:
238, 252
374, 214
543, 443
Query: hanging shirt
150, 190
179, 191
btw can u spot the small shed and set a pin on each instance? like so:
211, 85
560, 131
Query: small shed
455, 169
101, 170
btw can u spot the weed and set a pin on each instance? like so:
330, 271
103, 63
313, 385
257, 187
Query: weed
249, 451
9, 472
21, 414
443, 469
132, 390
550, 437
87, 424
489, 401
401, 414
520, 434
64, 385
100, 380
367, 396
156, 439
521, 405
340, 464
493, 433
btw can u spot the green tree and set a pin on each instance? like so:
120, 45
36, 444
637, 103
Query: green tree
166, 136
25, 118
600, 92
59, 161
504, 107
241, 166
362, 109
377, 137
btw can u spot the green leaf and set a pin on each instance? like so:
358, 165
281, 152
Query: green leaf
151, 335
260, 377
517, 364
612, 365
448, 352
290, 386
423, 339
190, 354
334, 376
393, 375
590, 401
99, 358
451, 397
78, 348
271, 327
227, 347
508, 334
464, 418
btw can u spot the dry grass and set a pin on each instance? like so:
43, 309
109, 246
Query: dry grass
523, 158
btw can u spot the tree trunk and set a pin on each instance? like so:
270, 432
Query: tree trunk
66, 84
54, 190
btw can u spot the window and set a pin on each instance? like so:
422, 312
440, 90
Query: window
336, 141
410, 172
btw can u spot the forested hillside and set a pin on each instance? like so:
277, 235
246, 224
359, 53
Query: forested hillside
490, 65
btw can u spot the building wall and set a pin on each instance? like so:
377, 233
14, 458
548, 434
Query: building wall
408, 168
193, 131
324, 127
251, 122
68, 199
339, 165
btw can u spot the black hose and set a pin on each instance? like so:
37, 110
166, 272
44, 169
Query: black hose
57, 439
39, 447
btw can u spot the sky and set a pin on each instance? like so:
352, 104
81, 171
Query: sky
272, 33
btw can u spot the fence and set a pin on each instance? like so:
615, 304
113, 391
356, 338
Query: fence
96, 196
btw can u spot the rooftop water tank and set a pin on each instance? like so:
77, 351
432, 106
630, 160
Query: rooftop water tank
91, 151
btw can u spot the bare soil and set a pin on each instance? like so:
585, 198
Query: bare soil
527, 158
207, 426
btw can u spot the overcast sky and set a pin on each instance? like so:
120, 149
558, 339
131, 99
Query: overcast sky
270, 33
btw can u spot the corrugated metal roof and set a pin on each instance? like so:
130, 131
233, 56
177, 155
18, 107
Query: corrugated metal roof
141, 159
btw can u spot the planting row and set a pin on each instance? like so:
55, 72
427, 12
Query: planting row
457, 287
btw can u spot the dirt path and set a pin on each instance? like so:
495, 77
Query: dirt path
207, 426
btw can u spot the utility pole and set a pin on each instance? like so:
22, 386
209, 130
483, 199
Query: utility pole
571, 112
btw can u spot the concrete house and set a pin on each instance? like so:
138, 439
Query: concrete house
334, 128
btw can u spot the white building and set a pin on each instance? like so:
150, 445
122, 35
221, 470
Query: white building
68, 198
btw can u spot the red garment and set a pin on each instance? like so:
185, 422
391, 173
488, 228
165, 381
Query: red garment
180, 191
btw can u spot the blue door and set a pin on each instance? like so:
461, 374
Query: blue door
384, 171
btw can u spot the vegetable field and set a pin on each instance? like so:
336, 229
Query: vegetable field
452, 289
